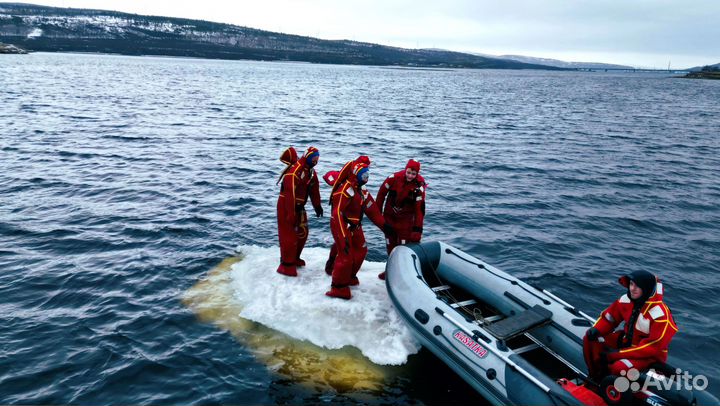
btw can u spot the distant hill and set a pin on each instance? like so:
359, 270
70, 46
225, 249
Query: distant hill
51, 29
699, 68
705, 72
562, 64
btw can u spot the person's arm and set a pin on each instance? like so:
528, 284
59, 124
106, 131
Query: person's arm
662, 330
382, 193
289, 183
341, 199
373, 210
417, 229
315, 194
610, 317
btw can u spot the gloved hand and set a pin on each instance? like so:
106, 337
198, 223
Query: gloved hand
319, 211
593, 334
608, 356
388, 230
415, 236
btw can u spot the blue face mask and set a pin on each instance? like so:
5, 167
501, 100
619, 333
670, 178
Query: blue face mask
363, 176
312, 159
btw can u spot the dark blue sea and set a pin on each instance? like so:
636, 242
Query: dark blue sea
131, 186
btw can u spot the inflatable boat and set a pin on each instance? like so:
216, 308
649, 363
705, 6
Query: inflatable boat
515, 344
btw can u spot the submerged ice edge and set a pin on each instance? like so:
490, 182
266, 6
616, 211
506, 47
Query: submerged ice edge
299, 308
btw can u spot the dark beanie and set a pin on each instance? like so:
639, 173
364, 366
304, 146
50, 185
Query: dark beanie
644, 280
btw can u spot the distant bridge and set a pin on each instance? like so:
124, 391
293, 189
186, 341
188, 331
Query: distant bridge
640, 70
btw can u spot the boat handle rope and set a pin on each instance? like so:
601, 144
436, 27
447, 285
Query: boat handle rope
417, 271
562, 302
508, 361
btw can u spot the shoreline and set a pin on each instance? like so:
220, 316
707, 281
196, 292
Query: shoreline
388, 67
713, 75
10, 49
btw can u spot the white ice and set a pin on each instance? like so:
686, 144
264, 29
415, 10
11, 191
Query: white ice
299, 308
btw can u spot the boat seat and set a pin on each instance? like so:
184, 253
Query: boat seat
491, 319
520, 323
463, 303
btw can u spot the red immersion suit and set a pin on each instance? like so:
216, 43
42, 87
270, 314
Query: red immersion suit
403, 205
649, 328
298, 182
349, 203
336, 179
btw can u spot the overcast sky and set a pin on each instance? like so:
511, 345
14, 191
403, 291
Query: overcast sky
647, 33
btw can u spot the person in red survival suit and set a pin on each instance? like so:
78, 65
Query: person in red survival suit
649, 328
349, 203
336, 179
404, 208
297, 182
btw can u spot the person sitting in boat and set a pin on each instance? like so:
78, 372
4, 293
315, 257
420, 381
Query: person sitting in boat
297, 182
336, 179
349, 203
404, 208
649, 327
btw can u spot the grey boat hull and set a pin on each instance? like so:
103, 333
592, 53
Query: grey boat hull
484, 361
510, 341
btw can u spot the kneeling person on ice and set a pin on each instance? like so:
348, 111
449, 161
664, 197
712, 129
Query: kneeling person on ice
349, 202
649, 328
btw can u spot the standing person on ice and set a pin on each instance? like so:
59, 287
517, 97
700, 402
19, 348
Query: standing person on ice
404, 208
349, 202
336, 180
649, 327
297, 182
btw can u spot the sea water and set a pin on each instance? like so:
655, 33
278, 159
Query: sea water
138, 239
